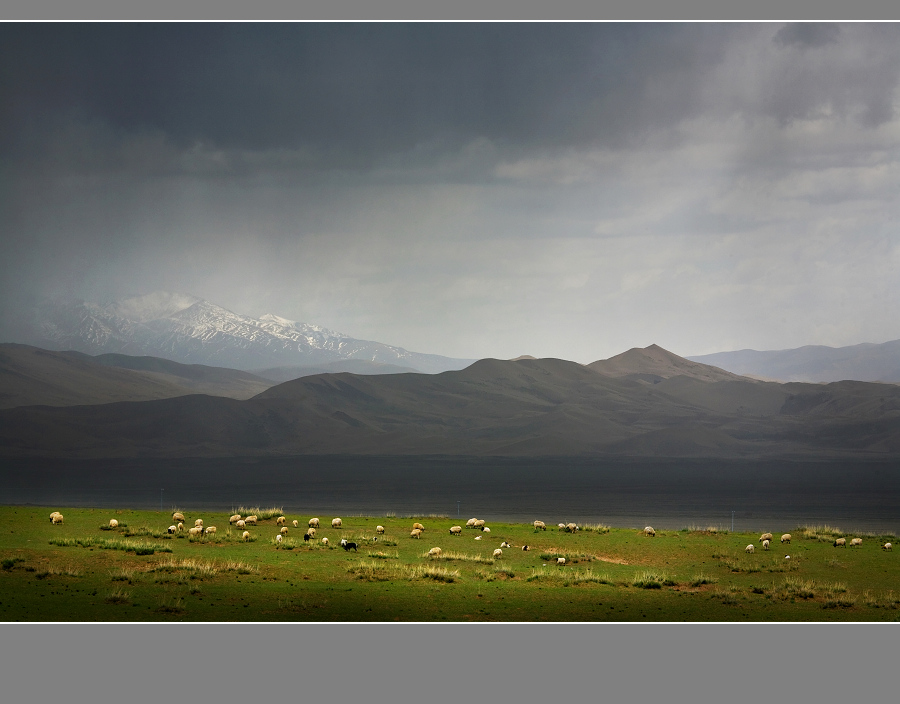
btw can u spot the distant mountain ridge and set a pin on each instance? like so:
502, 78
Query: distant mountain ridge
814, 363
654, 363
191, 330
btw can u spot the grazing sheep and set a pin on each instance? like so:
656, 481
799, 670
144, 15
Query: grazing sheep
649, 531
241, 525
58, 518
560, 560
313, 522
485, 529
278, 538
235, 518
471, 523
562, 526
435, 552
347, 545
498, 553
55, 513
524, 547
311, 532
765, 544
504, 544
887, 546
284, 530
379, 530
419, 526
856, 542
178, 516
246, 535
786, 538
336, 523
113, 523
325, 542
840, 543
250, 520
455, 530
180, 527
195, 531
415, 533
479, 524
280, 521
539, 525
765, 536
571, 527
306, 537
211, 529
172, 529
296, 524
199, 522
750, 548
477, 537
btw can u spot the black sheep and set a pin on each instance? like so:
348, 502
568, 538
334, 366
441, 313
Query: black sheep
347, 547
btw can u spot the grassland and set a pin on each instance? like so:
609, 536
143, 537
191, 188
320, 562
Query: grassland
83, 571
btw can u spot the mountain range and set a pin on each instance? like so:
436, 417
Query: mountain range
643, 403
190, 330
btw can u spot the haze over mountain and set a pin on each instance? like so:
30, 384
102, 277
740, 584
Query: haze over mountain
512, 408
814, 363
191, 330
31, 376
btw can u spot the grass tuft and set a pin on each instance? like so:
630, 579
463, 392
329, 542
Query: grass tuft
651, 580
118, 596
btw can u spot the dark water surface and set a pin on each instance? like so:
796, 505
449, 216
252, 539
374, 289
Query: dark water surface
668, 494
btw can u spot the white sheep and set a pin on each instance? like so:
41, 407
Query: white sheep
172, 529
765, 536
435, 552
560, 560
240, 525
178, 516
246, 535
539, 525
251, 520
325, 542
296, 524
58, 518
840, 543
210, 530
477, 537
571, 527
113, 523
198, 523
284, 530
471, 523
415, 533
498, 553
195, 531
379, 530
485, 530
649, 531
311, 532
562, 526
55, 513
313, 522
504, 544
887, 546
750, 548
280, 520
786, 538
479, 523
419, 526
455, 530
180, 527
336, 523
278, 537
855, 542
765, 544
235, 518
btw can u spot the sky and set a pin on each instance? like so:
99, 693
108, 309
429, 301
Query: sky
566, 190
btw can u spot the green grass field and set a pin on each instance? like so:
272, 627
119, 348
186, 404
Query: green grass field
83, 571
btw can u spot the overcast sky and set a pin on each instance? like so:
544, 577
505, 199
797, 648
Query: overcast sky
471, 190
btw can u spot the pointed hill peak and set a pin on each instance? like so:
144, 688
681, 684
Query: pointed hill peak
658, 362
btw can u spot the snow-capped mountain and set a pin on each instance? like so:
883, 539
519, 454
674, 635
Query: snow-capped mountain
190, 330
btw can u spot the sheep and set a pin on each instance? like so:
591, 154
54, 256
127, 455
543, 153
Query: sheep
180, 527
786, 538
562, 526
419, 526
887, 546
278, 537
58, 518
498, 553
539, 525
856, 542
55, 513
765, 544
313, 522
765, 536
240, 525
379, 530
251, 520
471, 523
415, 533
504, 544
485, 529
246, 535
113, 523
178, 516
311, 532
296, 524
347, 545
306, 537
750, 548
235, 518
524, 547
336, 523
199, 522
284, 530
325, 542
280, 521
571, 528
477, 537
479, 524
560, 560
195, 531
649, 531
211, 529
172, 529
840, 543
455, 530
435, 552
